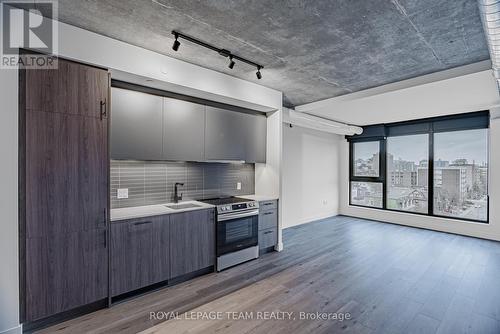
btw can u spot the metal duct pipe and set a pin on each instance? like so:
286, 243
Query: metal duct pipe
318, 123
490, 16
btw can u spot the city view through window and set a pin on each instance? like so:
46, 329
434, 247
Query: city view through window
407, 173
460, 174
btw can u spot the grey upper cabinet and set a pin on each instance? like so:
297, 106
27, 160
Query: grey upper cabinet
183, 130
136, 125
232, 135
256, 138
151, 127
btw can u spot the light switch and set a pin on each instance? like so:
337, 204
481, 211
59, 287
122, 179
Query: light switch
238, 186
122, 193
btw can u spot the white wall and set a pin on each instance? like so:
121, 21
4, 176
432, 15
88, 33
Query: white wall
466, 93
122, 59
268, 179
310, 175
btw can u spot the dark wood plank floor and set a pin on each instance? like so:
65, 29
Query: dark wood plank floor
389, 278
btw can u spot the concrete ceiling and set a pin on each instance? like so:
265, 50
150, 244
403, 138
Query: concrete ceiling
311, 50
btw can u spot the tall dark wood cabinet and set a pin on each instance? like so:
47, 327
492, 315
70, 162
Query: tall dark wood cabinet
64, 167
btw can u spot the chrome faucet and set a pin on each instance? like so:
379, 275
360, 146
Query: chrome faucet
177, 197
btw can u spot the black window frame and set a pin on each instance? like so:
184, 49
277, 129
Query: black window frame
381, 178
430, 126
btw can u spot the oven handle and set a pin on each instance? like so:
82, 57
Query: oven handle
229, 216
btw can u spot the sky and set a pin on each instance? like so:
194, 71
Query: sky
470, 144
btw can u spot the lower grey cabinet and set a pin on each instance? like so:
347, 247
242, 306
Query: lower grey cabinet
268, 219
140, 253
268, 224
268, 238
192, 241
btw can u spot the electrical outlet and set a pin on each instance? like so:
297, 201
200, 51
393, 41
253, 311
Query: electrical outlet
122, 193
238, 186
325, 202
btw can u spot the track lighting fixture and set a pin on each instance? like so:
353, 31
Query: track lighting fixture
222, 52
176, 45
258, 74
231, 62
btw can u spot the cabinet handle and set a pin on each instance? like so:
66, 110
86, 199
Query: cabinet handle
105, 220
106, 238
268, 213
268, 232
103, 109
142, 223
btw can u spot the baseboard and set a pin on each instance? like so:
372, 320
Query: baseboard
313, 219
15, 330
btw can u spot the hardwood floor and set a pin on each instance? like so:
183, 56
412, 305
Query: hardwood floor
388, 278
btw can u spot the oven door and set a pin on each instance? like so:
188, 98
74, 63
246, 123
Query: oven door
236, 231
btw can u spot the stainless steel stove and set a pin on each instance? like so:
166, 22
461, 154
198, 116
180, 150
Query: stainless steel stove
237, 230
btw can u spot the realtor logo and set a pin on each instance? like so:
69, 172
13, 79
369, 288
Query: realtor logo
32, 27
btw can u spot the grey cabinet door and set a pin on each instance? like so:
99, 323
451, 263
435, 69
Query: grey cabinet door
231, 135
256, 138
192, 241
136, 125
268, 238
139, 253
183, 130
225, 135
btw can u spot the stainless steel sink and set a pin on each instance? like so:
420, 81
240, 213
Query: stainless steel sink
183, 206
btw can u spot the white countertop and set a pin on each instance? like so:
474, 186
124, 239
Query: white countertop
153, 210
259, 198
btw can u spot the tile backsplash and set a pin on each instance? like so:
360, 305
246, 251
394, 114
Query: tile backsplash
152, 182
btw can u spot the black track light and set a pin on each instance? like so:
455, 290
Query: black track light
231, 62
223, 52
258, 74
176, 45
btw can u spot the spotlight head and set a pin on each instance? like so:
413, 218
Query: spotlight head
231, 63
176, 45
258, 74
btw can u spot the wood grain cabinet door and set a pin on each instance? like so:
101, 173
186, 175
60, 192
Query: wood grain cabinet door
192, 241
139, 253
65, 271
63, 189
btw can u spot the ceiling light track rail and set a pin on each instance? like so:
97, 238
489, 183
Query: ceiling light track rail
223, 52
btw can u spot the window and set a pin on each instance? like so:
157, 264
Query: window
436, 167
407, 173
366, 181
461, 174
367, 194
367, 159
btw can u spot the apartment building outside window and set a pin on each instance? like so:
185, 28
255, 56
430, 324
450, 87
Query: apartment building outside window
436, 167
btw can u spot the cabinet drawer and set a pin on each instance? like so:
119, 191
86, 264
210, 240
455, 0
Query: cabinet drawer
267, 238
268, 205
268, 219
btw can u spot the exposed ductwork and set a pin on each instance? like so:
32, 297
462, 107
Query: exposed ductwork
318, 123
490, 16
